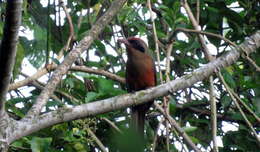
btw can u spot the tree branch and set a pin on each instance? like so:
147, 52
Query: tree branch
206, 33
209, 57
112, 124
250, 126
27, 80
157, 51
83, 45
99, 72
178, 128
8, 46
44, 71
28, 126
98, 142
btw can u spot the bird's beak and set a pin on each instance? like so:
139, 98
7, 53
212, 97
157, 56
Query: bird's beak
125, 41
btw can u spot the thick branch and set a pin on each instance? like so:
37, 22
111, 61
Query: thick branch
8, 46
84, 44
25, 127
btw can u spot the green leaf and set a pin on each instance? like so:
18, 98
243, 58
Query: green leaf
104, 85
1, 28
91, 96
226, 101
190, 129
237, 116
194, 140
18, 144
40, 144
18, 60
79, 147
123, 144
173, 107
100, 47
229, 79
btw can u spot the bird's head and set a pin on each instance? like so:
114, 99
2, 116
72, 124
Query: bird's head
134, 44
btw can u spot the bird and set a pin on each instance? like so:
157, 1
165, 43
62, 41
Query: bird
140, 75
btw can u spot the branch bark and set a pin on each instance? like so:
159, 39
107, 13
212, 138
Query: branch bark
28, 126
83, 45
7, 60
8, 46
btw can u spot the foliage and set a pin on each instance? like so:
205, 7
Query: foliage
233, 19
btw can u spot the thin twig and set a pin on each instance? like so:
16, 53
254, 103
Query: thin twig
213, 114
28, 126
234, 45
72, 56
159, 67
197, 27
247, 108
112, 124
24, 82
239, 108
207, 33
156, 137
71, 98
44, 70
168, 62
71, 27
178, 128
198, 11
40, 86
155, 40
166, 123
54, 97
51, 67
95, 138
253, 63
166, 99
80, 20
209, 57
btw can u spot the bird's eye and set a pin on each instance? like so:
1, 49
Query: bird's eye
137, 45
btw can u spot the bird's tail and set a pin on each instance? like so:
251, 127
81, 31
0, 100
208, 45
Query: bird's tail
138, 118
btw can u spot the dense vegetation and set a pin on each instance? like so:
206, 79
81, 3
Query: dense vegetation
46, 37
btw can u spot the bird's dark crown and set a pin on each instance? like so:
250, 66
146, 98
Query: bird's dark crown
137, 43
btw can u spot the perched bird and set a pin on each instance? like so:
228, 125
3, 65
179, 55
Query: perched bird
140, 74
